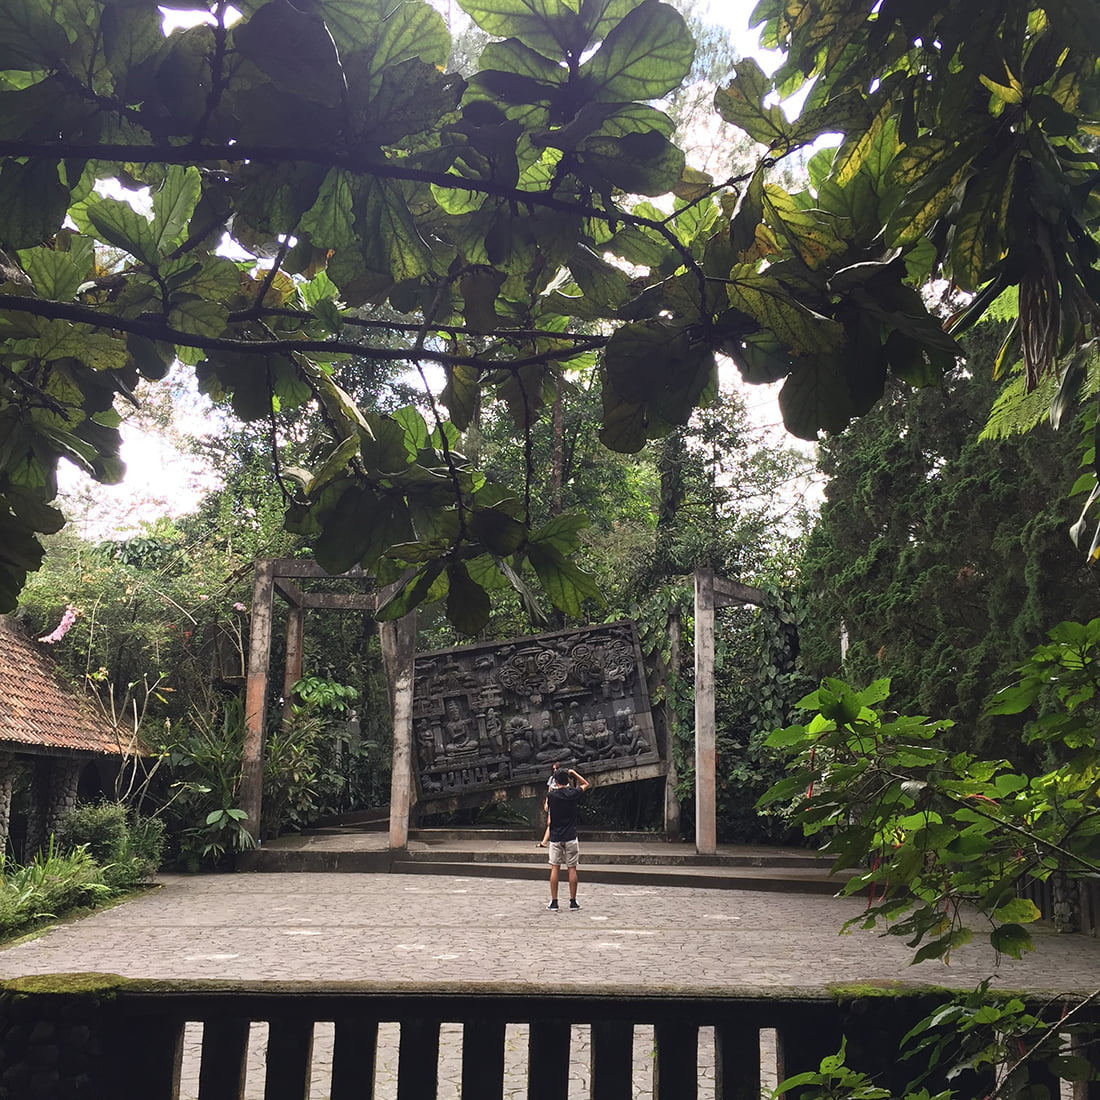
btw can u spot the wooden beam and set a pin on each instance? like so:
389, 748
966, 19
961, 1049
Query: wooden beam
290, 592
340, 601
706, 835
255, 705
303, 567
735, 594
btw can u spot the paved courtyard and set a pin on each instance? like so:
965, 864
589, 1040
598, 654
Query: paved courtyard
419, 930
425, 929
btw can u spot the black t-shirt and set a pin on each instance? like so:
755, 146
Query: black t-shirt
563, 803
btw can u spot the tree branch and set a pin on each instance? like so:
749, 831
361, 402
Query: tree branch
157, 330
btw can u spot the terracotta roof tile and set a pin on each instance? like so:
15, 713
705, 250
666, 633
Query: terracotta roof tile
39, 707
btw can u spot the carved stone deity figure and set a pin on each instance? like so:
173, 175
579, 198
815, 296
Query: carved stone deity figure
629, 737
494, 730
548, 741
425, 744
460, 740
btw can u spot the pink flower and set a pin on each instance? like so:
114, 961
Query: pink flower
62, 627
239, 607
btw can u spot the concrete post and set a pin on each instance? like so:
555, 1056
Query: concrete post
399, 655
706, 833
672, 726
295, 644
259, 656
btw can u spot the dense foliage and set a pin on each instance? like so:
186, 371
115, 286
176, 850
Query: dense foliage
942, 558
311, 184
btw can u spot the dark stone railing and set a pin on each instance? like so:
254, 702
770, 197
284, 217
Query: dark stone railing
95, 1037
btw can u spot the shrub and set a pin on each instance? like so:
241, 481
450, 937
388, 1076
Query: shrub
127, 850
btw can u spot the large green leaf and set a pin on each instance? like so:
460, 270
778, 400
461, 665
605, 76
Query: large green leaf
566, 585
818, 396
295, 49
497, 531
33, 202
413, 30
390, 238
548, 26
638, 163
762, 296
118, 223
645, 56
741, 102
810, 236
601, 282
56, 275
979, 240
131, 35
658, 368
410, 593
173, 204
20, 554
412, 98
467, 602
461, 395
30, 39
330, 222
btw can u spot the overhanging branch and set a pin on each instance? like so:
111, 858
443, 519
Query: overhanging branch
153, 329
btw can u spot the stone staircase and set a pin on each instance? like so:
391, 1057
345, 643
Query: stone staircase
622, 858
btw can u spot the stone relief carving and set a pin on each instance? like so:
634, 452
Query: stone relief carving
486, 716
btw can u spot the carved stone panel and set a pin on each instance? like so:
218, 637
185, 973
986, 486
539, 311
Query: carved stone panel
488, 716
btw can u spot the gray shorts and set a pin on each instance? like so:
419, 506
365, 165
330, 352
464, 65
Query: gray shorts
565, 853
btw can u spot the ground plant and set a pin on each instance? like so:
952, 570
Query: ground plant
50, 885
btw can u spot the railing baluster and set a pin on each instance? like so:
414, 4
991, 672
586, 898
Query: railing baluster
548, 1060
354, 1051
805, 1037
676, 1066
149, 1063
612, 1066
482, 1060
224, 1059
418, 1060
289, 1056
736, 1062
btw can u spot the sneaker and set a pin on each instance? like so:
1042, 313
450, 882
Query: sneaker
573, 903
553, 906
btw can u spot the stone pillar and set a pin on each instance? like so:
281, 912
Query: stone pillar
9, 772
39, 801
64, 779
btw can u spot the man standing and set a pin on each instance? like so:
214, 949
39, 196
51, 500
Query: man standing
562, 801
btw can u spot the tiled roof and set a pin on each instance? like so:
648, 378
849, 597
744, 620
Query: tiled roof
38, 707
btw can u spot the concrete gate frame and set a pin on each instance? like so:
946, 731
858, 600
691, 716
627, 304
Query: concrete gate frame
278, 576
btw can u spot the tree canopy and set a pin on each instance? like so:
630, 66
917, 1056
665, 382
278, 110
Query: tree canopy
307, 183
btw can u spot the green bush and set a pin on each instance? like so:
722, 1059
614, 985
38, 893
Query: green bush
128, 850
100, 827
